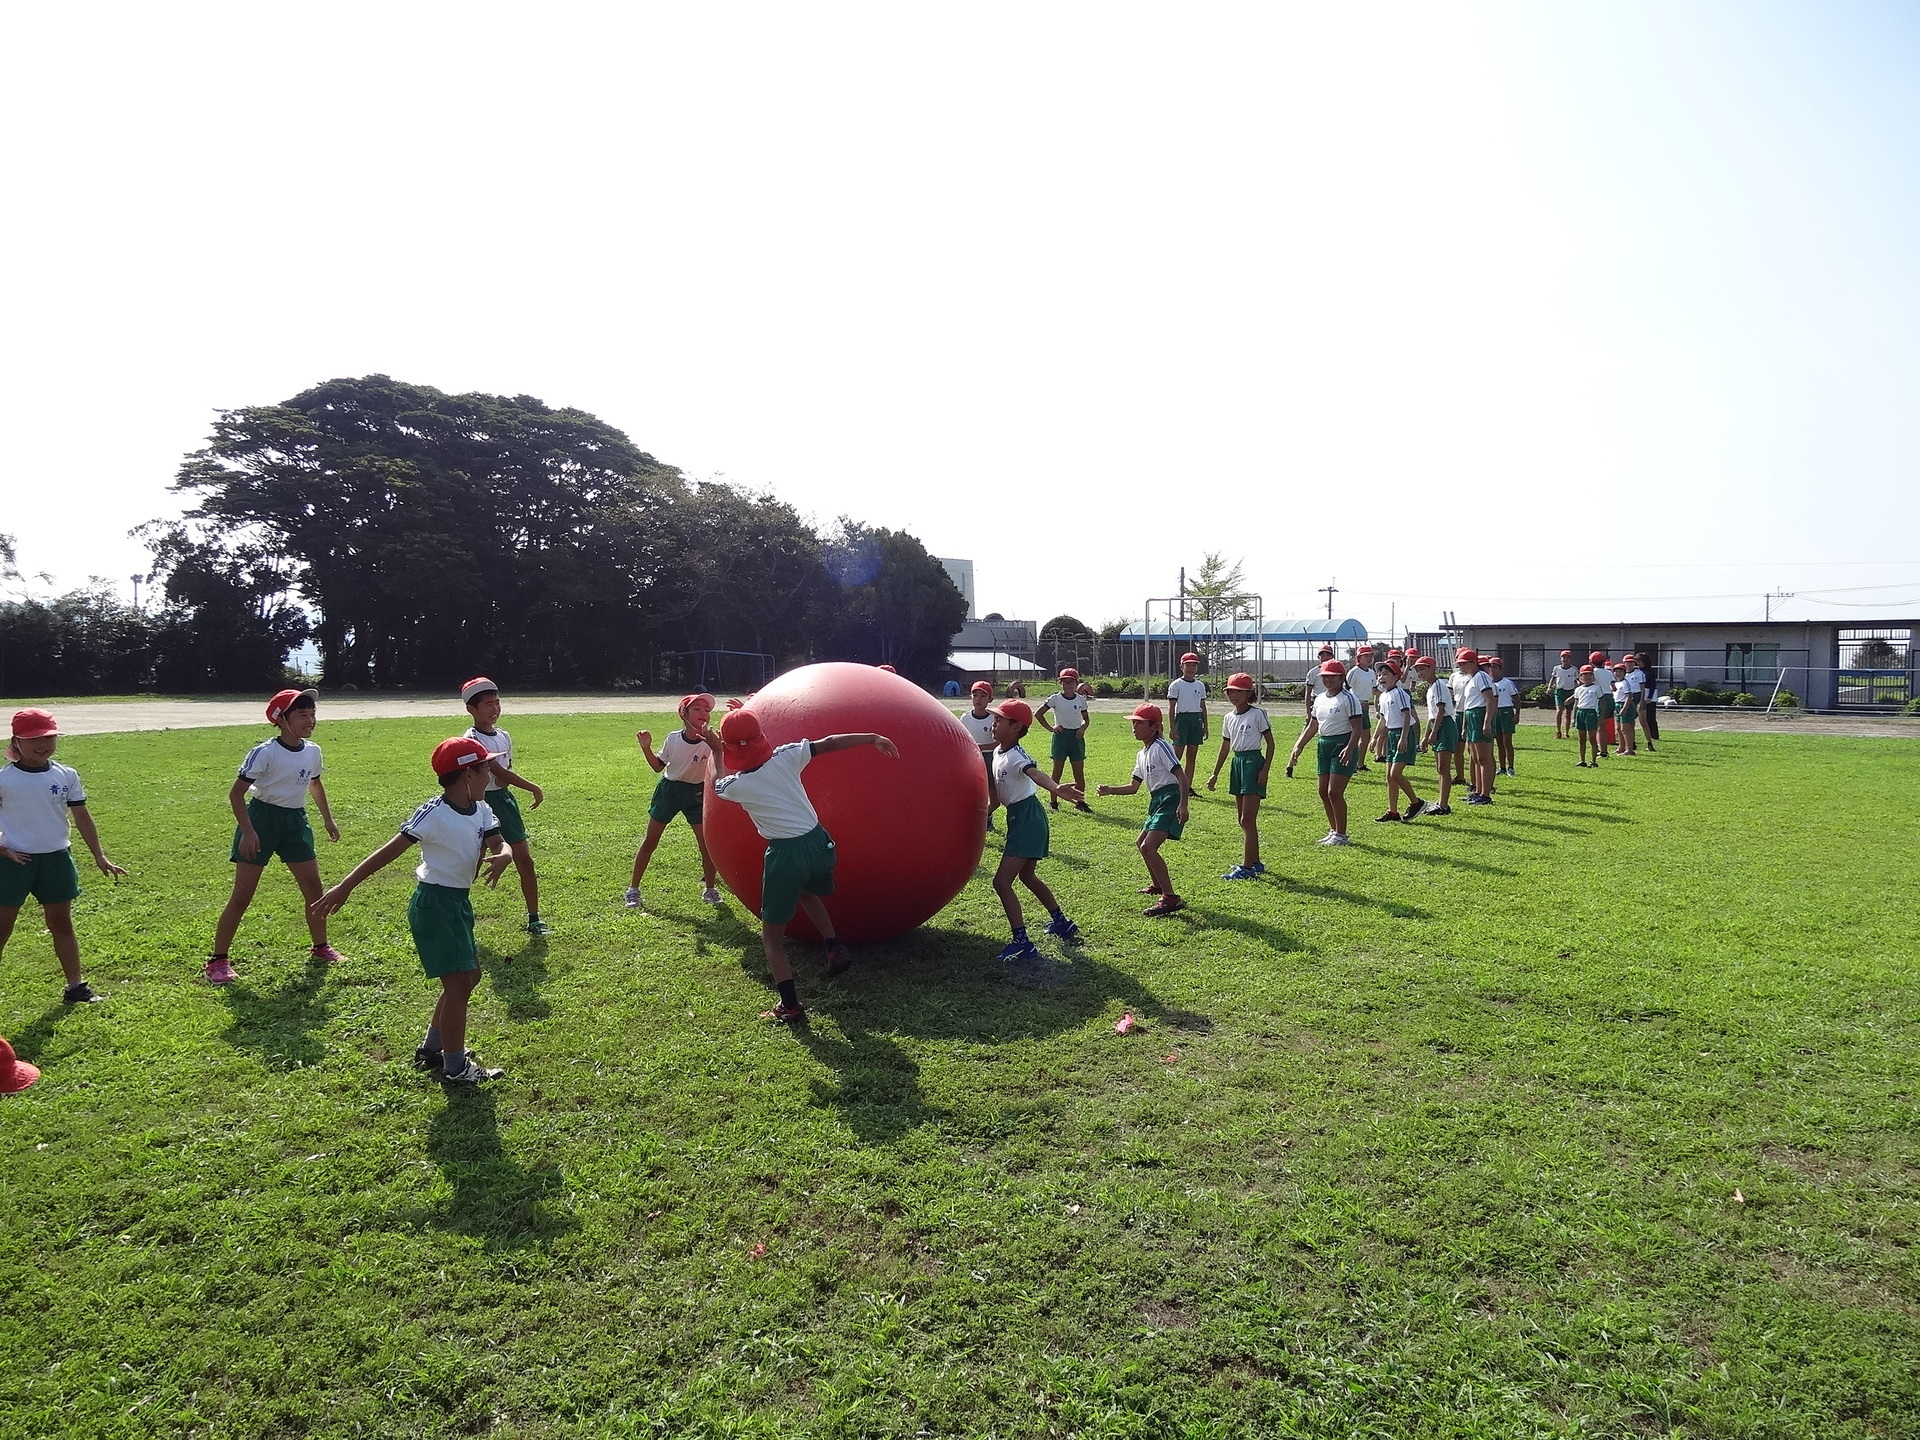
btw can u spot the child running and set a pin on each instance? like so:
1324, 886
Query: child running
457, 834
798, 869
979, 724
1586, 717
1506, 715
38, 797
1187, 704
1017, 781
1247, 735
1443, 729
1401, 733
1335, 725
269, 801
1158, 767
1068, 725
682, 767
1566, 676
482, 699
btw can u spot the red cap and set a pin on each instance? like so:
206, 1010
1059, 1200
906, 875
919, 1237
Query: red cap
698, 697
1364, 650
1017, 711
450, 757
1239, 680
1586, 669
15, 1073
1334, 667
1598, 657
1626, 660
34, 724
980, 685
1494, 661
1189, 658
1469, 654
1566, 654
1069, 673
746, 748
1392, 667
1146, 712
889, 669
475, 688
1325, 652
1396, 650
1420, 660
280, 704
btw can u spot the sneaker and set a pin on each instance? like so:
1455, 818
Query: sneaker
1338, 840
1165, 905
1054, 804
1326, 839
325, 954
785, 1014
839, 958
632, 898
220, 972
425, 1059
80, 993
1581, 766
1018, 950
474, 1074
537, 926
1149, 889
1392, 817
708, 893
1239, 872
1438, 810
1065, 930
1417, 808
1082, 806
1257, 868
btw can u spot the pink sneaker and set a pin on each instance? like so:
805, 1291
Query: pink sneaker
326, 954
220, 972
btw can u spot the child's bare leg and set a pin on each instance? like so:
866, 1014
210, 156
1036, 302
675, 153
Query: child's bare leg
1080, 775
1250, 830
1010, 866
1337, 802
1445, 769
650, 842
1326, 800
816, 910
8, 915
306, 874
66, 945
773, 941
529, 882
1029, 877
450, 1011
1150, 843
246, 880
707, 872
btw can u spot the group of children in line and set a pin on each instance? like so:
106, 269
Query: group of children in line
1603, 705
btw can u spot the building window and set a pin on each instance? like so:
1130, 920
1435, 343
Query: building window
1750, 665
1874, 667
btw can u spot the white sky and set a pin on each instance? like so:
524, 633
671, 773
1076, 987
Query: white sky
1576, 311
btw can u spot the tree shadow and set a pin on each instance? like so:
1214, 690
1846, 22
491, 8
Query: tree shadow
282, 1026
519, 978
495, 1199
31, 1043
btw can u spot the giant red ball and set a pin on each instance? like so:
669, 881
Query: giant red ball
908, 833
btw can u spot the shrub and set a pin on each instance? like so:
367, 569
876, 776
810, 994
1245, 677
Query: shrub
1157, 690
1913, 706
1744, 698
1128, 690
1540, 695
1787, 700
1103, 689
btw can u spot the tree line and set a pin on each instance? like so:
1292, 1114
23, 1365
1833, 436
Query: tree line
418, 537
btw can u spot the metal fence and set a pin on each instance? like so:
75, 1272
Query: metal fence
1282, 662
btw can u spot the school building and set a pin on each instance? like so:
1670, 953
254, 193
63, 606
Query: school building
1828, 664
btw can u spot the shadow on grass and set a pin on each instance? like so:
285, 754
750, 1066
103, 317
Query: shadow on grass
31, 1043
519, 978
1271, 936
495, 1199
1349, 897
280, 1026
1427, 857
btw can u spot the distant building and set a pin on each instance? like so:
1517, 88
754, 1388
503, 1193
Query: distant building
961, 573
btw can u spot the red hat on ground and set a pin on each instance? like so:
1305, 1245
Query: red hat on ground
1189, 658
475, 688
1069, 673
979, 685
34, 724
745, 747
1598, 657
450, 757
1146, 712
1334, 667
1470, 655
888, 668
277, 707
1017, 711
15, 1073
1239, 680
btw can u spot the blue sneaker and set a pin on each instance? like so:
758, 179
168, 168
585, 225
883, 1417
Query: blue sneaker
1257, 868
1019, 950
1239, 872
1065, 929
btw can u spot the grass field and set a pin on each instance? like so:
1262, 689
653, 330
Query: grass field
1589, 1114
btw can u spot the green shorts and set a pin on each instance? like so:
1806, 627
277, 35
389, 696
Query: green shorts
1446, 735
441, 919
506, 809
1631, 713
1069, 745
796, 867
1562, 699
282, 832
1326, 755
1189, 728
51, 878
1606, 707
1478, 732
676, 797
1244, 778
1403, 745
1163, 812
1586, 719
1027, 835
1506, 720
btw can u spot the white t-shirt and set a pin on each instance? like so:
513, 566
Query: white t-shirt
451, 844
499, 745
1396, 707
1363, 682
1337, 712
1587, 697
1604, 674
1632, 682
980, 727
1185, 697
1069, 711
34, 805
773, 796
1010, 779
1566, 677
1472, 690
685, 759
1439, 700
280, 775
1508, 691
1243, 731
1155, 765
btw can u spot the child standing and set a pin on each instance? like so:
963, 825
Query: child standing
38, 797
1603, 677
1363, 680
1247, 735
1478, 703
482, 699
1506, 715
457, 834
1566, 676
978, 723
1402, 739
1158, 768
798, 869
269, 801
682, 790
1068, 725
1187, 704
1632, 683
1586, 716
1017, 781
1443, 729
1334, 723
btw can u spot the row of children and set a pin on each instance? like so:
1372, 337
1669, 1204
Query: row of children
1604, 705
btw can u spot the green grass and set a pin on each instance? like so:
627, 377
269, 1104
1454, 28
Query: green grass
1591, 1114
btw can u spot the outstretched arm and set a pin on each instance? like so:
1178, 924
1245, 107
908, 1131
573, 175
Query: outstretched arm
828, 744
645, 737
83, 822
1045, 782
333, 899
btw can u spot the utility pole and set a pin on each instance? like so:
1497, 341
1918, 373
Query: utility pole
1774, 595
1329, 591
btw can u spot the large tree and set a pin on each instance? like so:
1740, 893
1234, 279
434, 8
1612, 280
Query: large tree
895, 603
228, 618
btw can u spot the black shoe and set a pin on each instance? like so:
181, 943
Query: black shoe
1391, 817
1417, 808
79, 993
1082, 805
